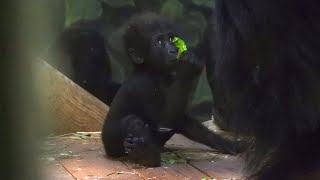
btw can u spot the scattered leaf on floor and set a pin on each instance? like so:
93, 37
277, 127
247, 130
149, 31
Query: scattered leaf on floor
171, 158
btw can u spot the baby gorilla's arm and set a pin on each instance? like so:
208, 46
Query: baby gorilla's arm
196, 131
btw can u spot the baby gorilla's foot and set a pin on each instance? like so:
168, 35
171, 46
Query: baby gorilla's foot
137, 134
139, 143
137, 139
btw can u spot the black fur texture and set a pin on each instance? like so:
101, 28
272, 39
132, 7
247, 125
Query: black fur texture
265, 77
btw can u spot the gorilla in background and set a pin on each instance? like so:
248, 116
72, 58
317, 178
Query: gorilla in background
151, 104
264, 74
80, 52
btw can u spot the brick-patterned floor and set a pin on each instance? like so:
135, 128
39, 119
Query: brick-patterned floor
79, 156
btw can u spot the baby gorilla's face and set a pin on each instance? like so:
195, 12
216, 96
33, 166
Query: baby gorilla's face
163, 52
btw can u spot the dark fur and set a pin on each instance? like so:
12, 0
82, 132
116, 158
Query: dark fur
265, 78
154, 97
80, 52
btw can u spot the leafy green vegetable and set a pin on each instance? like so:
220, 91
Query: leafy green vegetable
180, 45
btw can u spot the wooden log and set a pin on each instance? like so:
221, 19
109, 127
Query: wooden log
73, 109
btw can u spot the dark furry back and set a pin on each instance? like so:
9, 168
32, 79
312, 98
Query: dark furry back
265, 76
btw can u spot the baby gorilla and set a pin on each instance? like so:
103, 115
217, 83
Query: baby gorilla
150, 106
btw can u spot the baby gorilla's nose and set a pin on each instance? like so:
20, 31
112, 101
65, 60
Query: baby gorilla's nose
173, 50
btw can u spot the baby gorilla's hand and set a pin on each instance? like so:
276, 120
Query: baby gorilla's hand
190, 67
191, 59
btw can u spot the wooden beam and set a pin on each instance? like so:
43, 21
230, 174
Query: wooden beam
73, 109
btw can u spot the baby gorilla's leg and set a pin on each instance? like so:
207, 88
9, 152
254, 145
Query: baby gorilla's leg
139, 143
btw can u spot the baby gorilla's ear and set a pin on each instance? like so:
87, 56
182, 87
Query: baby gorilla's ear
135, 58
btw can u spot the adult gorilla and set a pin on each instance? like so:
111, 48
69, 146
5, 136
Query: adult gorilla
265, 77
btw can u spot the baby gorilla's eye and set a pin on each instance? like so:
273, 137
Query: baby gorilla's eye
171, 36
160, 39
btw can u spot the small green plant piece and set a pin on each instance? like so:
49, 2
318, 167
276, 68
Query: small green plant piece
171, 158
82, 135
208, 178
180, 45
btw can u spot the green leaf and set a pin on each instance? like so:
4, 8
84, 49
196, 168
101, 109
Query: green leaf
207, 178
82, 135
171, 158
180, 45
